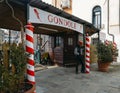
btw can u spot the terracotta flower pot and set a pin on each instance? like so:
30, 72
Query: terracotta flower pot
103, 66
31, 90
27, 87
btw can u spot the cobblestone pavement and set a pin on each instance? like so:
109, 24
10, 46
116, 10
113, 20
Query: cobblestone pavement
64, 80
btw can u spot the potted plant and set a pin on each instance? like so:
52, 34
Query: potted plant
105, 57
13, 69
114, 49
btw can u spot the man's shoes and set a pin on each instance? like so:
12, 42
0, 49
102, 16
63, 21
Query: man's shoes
82, 71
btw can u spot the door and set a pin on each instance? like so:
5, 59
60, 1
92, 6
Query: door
70, 41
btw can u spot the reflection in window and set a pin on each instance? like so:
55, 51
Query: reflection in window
96, 20
70, 41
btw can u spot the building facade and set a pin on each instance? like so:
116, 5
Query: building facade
103, 14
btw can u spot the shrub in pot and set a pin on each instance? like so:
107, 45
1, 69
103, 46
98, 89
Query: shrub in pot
104, 53
13, 68
114, 49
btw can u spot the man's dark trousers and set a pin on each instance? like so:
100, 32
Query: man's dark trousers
78, 62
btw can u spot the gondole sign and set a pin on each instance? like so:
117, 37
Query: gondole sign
43, 17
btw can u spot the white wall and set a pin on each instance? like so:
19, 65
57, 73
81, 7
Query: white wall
83, 10
47, 1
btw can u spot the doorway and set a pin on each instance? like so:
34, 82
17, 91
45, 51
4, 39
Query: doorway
70, 41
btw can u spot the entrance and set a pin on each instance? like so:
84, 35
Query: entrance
69, 44
64, 48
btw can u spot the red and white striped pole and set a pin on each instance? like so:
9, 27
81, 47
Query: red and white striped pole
87, 56
30, 50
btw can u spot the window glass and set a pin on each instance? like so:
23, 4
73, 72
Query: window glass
97, 16
58, 41
70, 41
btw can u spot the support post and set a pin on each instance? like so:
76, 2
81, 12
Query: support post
84, 32
30, 50
87, 59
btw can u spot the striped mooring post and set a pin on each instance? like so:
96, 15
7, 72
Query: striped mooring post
87, 56
30, 50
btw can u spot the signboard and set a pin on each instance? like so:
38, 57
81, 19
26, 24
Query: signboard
42, 17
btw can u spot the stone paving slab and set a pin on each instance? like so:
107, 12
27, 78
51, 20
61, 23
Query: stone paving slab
64, 80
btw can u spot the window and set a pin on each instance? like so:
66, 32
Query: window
70, 41
58, 41
96, 19
65, 3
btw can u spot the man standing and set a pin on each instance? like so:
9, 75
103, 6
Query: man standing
79, 55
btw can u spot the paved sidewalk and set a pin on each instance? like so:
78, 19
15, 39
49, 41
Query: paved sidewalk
64, 80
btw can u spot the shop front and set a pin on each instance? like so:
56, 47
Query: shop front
63, 39
64, 29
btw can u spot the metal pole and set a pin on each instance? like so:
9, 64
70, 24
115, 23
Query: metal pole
98, 37
108, 11
84, 33
9, 37
40, 42
119, 16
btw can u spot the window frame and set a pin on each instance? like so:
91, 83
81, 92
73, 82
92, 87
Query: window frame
95, 10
